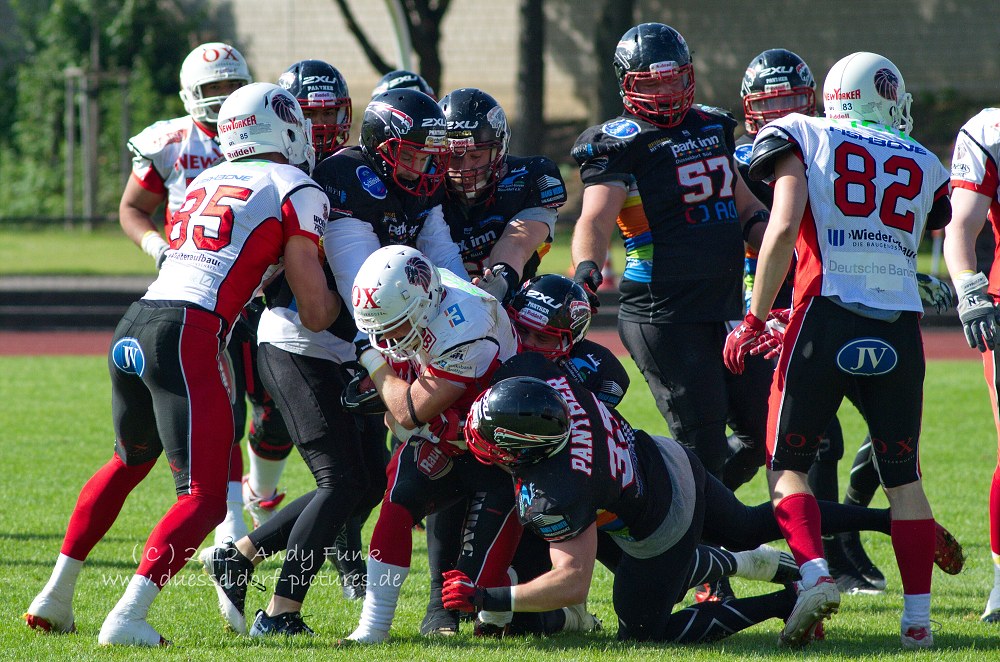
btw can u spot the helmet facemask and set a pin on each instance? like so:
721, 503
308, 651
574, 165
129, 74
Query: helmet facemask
662, 109
761, 108
477, 182
329, 137
417, 169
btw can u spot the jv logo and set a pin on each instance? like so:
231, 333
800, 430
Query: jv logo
128, 357
867, 357
835, 237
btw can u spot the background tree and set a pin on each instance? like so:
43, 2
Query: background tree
615, 20
423, 20
529, 116
143, 40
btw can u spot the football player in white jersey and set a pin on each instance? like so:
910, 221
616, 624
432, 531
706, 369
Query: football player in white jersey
975, 196
166, 157
436, 340
238, 225
854, 224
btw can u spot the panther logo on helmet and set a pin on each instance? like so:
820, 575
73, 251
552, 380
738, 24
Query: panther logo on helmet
887, 84
284, 107
399, 122
418, 272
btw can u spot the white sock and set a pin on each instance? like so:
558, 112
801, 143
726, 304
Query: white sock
382, 595
916, 610
812, 570
996, 572
135, 603
264, 475
62, 581
233, 526
498, 618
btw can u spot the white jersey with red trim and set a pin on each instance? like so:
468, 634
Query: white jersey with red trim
168, 155
469, 338
974, 167
870, 191
229, 235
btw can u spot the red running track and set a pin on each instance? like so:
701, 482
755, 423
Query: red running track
939, 344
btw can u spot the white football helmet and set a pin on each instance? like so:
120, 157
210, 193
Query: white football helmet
210, 63
396, 285
868, 87
262, 118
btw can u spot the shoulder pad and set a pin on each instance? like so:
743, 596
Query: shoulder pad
766, 150
715, 110
604, 139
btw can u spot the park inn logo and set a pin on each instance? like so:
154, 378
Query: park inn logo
835, 237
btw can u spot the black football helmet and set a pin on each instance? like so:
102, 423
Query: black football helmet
476, 122
553, 305
404, 140
517, 421
319, 86
777, 83
653, 53
401, 79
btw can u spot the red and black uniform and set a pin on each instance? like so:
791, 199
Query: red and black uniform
168, 393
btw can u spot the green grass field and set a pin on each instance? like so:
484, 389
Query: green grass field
57, 429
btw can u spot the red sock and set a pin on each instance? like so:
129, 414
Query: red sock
176, 537
235, 464
392, 539
99, 503
913, 544
500, 554
799, 520
995, 512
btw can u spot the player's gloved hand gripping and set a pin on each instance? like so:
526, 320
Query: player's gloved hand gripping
769, 343
935, 293
501, 280
589, 275
976, 310
740, 341
461, 594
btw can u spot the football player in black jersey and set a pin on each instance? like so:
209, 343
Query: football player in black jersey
664, 171
501, 209
578, 467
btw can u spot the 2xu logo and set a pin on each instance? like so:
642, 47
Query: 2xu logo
867, 357
128, 357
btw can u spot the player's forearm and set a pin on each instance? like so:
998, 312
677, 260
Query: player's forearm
518, 243
135, 223
559, 587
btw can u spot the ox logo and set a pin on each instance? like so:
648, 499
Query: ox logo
867, 357
128, 357
363, 297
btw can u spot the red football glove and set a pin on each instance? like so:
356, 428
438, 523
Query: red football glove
444, 426
458, 592
740, 341
769, 343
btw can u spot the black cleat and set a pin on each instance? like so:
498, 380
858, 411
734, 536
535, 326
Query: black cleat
439, 622
231, 573
855, 553
288, 624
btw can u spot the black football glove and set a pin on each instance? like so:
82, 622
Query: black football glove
354, 398
588, 274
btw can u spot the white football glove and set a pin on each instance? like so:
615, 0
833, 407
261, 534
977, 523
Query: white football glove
977, 311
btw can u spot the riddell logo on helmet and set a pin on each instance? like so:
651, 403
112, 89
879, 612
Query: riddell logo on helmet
838, 95
237, 123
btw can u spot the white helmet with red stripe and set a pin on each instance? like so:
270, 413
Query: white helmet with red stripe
210, 63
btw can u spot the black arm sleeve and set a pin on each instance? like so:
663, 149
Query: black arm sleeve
940, 214
765, 153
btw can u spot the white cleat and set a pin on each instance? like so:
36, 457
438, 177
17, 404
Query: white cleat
917, 636
812, 606
121, 631
578, 619
47, 612
261, 509
364, 636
